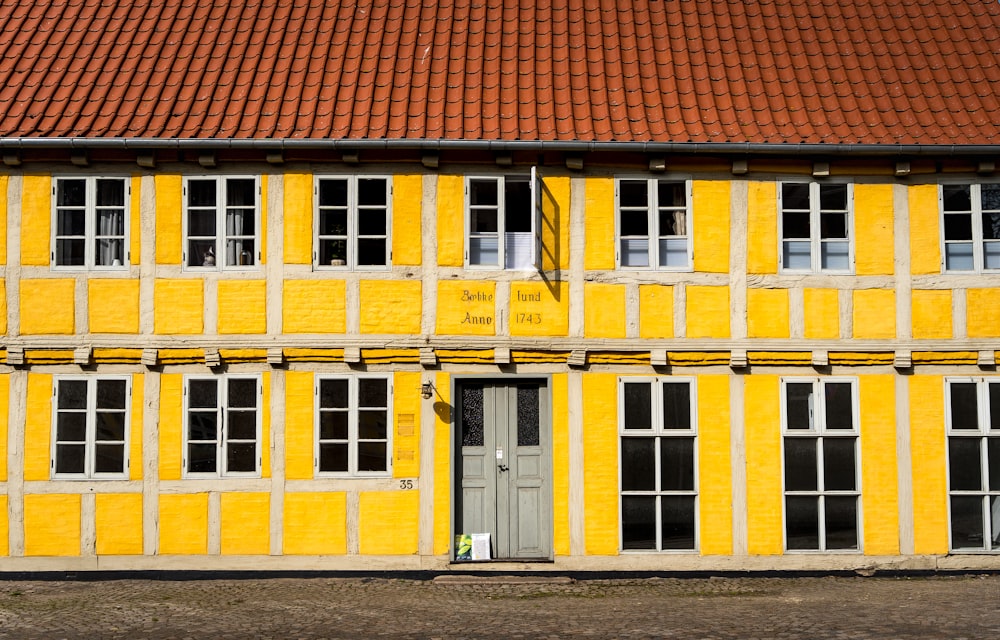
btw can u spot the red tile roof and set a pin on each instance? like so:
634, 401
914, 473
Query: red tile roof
718, 71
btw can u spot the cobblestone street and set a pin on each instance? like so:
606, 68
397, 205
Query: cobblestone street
950, 607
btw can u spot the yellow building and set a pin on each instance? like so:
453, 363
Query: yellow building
666, 310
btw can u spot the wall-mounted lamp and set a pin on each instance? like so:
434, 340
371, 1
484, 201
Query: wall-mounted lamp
426, 390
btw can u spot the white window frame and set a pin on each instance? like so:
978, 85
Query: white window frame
654, 233
222, 439
221, 236
815, 240
656, 433
90, 442
978, 241
91, 235
819, 431
353, 438
984, 433
351, 234
533, 178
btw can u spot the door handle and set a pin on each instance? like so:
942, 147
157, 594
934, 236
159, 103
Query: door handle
502, 467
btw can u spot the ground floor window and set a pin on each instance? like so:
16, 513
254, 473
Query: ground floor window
90, 426
222, 426
352, 425
657, 433
973, 420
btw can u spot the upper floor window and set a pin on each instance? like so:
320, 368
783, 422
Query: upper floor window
502, 222
90, 426
352, 223
91, 222
654, 224
222, 416
352, 425
971, 221
816, 227
221, 222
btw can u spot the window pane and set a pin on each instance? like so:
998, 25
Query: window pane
371, 456
638, 522
839, 465
242, 425
333, 425
633, 193
796, 255
109, 458
241, 457
372, 392
111, 394
964, 405
71, 193
956, 197
991, 255
332, 457
958, 257
333, 222
677, 522
795, 195
634, 223
528, 422
635, 252
110, 426
991, 225
795, 225
485, 251
333, 394
638, 464
371, 252
517, 204
201, 193
841, 522
110, 193
799, 405
994, 503
833, 197
372, 425
833, 225
71, 427
242, 393
673, 223
70, 252
990, 194
240, 193
109, 252
835, 255
993, 462
472, 416
677, 464
72, 394
371, 222
483, 192
676, 405
202, 394
800, 464
967, 522
333, 193
202, 425
965, 464
71, 222
671, 194
673, 252
839, 407
958, 226
802, 522
201, 253
333, 252
371, 191
201, 458
69, 458
638, 405
993, 391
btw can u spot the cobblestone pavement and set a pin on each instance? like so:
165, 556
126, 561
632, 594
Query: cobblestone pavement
950, 607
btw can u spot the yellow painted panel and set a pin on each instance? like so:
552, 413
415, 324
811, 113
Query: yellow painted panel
539, 308
707, 312
442, 464
3, 307
762, 227
879, 477
396, 513
407, 201
390, 306
135, 433
406, 403
555, 223
931, 311
315, 524
171, 425
599, 221
767, 313
298, 218
169, 208
51, 525
3, 219
183, 523
710, 204
4, 413
875, 313
929, 468
873, 232
314, 306
600, 455
113, 305
983, 313
560, 464
822, 313
466, 307
656, 311
36, 220
38, 427
925, 229
604, 310
48, 306
135, 221
118, 523
715, 474
178, 306
299, 425
242, 306
245, 523
4, 527
763, 450
451, 221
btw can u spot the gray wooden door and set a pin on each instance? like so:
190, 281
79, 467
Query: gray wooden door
505, 478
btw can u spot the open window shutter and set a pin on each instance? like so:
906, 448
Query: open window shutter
536, 216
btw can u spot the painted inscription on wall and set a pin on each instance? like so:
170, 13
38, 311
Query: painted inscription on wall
467, 308
539, 309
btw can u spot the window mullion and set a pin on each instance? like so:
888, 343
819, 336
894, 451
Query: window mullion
90, 437
221, 434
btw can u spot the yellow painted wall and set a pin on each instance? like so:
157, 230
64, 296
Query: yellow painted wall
466, 307
442, 463
715, 474
983, 313
245, 523
314, 306
710, 203
299, 425
762, 419
873, 231
183, 524
874, 314
388, 522
925, 229
451, 220
822, 313
169, 212
406, 403
315, 523
560, 464
48, 306
38, 427
929, 469
407, 201
762, 227
656, 311
539, 309
555, 222
599, 224
242, 306
707, 312
113, 305
604, 310
879, 476
932, 314
767, 313
118, 524
600, 458
51, 525
4, 413
390, 306
171, 425
3, 307
36, 220
178, 306
4, 527
298, 218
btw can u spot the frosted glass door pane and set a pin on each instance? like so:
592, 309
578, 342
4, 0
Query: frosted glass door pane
673, 252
